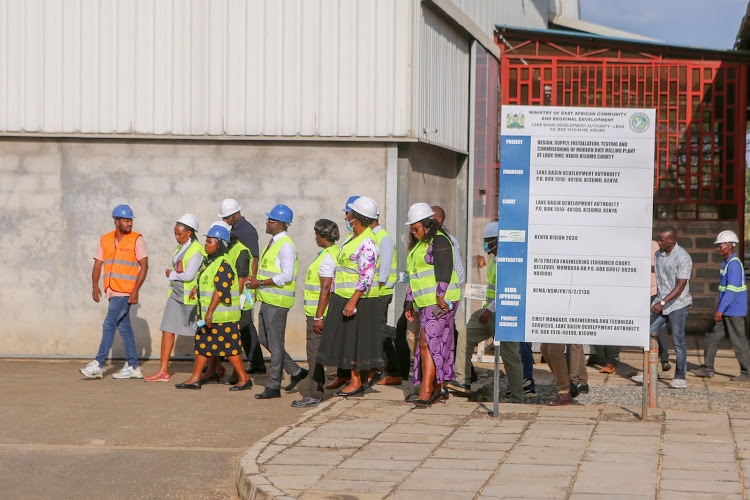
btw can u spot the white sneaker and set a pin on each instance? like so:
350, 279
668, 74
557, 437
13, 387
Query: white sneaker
678, 383
129, 372
638, 379
93, 370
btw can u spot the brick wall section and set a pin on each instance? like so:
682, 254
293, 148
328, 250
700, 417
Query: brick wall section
698, 239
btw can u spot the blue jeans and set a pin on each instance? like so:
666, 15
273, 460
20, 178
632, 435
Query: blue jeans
676, 320
118, 317
527, 358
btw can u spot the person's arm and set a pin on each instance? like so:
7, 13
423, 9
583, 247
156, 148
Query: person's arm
442, 260
325, 296
287, 257
142, 272
254, 265
367, 258
95, 275
387, 247
191, 269
734, 283
409, 308
243, 267
676, 291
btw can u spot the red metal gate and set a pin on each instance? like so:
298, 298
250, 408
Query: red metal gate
700, 110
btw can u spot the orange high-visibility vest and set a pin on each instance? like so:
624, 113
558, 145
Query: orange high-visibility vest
120, 265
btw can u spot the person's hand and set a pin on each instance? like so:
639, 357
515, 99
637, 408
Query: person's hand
485, 316
193, 293
718, 317
657, 308
318, 326
350, 308
252, 283
409, 311
442, 304
96, 294
209, 319
168, 271
133, 299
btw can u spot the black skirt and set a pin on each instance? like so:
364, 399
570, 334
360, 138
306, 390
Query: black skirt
354, 342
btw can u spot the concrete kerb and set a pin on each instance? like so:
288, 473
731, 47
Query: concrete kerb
251, 485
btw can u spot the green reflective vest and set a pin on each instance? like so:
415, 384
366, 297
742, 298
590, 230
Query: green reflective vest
282, 296
491, 281
312, 281
187, 286
390, 282
224, 313
232, 257
422, 278
347, 272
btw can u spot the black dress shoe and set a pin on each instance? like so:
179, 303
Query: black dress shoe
358, 392
194, 386
213, 378
573, 390
411, 398
247, 385
295, 379
257, 369
583, 388
268, 394
421, 403
439, 396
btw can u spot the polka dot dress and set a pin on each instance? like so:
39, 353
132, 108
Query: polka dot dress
222, 339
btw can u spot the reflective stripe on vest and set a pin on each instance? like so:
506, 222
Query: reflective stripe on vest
732, 288
187, 286
491, 280
312, 281
278, 296
422, 278
206, 287
347, 272
390, 282
233, 255
120, 266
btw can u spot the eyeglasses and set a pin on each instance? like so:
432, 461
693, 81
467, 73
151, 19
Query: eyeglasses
415, 229
271, 221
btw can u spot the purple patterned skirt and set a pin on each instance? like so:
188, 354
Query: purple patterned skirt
439, 334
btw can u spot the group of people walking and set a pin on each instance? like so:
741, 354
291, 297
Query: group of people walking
213, 290
348, 289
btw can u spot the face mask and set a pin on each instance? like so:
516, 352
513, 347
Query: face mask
348, 226
486, 246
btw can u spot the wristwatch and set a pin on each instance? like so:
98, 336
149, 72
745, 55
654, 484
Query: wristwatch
662, 303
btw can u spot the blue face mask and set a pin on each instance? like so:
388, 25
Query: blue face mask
486, 246
348, 226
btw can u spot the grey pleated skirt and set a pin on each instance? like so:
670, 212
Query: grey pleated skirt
179, 318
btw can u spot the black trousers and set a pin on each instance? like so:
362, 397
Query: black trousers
250, 343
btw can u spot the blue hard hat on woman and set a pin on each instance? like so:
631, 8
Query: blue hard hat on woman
218, 230
281, 213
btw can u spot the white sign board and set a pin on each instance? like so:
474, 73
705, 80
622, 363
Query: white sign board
575, 211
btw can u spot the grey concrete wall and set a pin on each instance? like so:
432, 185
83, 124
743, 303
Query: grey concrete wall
56, 198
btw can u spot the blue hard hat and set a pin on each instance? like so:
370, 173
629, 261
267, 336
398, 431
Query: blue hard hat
281, 213
350, 200
123, 212
218, 231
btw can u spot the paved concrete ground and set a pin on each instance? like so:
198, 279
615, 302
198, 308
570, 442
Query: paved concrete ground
697, 445
66, 437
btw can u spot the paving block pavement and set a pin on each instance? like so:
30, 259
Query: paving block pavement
696, 446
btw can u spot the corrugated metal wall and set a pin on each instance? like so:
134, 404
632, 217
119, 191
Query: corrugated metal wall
487, 13
443, 89
337, 68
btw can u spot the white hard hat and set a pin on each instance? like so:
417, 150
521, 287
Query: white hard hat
189, 220
726, 237
222, 224
491, 230
365, 206
418, 212
229, 207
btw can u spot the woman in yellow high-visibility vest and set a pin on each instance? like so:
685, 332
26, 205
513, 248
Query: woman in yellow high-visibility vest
434, 289
352, 329
218, 294
180, 312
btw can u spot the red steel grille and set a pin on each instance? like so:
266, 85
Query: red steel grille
700, 112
